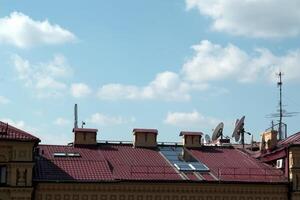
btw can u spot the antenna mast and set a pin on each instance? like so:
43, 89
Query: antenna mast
75, 116
279, 84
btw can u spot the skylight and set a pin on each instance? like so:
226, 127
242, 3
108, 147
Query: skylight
64, 154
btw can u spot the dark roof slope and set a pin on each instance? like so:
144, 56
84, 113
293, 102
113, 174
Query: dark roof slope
8, 132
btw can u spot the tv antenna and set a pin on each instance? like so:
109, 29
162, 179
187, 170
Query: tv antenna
218, 132
281, 112
239, 131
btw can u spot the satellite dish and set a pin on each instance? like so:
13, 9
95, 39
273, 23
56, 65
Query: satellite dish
207, 139
218, 131
239, 129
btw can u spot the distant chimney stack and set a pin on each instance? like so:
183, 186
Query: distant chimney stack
268, 140
146, 138
191, 139
85, 136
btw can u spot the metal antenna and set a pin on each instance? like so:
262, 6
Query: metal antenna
281, 112
82, 124
279, 84
75, 116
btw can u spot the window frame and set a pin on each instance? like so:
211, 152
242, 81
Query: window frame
1, 174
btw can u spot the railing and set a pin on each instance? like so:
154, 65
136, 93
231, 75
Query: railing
221, 174
277, 127
136, 170
113, 142
249, 173
130, 142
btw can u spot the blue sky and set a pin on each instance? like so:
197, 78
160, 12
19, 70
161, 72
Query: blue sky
172, 65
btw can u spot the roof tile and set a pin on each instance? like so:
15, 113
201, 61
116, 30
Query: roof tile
8, 132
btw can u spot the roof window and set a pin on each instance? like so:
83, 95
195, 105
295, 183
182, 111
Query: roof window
63, 154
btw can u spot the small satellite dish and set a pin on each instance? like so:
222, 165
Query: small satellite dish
239, 129
207, 139
218, 131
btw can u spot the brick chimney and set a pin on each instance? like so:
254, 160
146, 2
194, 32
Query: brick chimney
191, 139
268, 140
85, 136
146, 138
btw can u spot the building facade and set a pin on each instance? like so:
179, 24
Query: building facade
145, 169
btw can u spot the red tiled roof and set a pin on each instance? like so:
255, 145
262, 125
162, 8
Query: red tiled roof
105, 163
138, 163
109, 162
8, 132
230, 164
293, 139
90, 166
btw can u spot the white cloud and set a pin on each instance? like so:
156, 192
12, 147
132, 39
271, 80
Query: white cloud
264, 18
80, 90
46, 79
213, 62
186, 119
107, 120
19, 124
22, 31
4, 100
60, 121
166, 85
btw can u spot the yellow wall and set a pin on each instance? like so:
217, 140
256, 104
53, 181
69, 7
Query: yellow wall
85, 138
145, 140
18, 159
192, 141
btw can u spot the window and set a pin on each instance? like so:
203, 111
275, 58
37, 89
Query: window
60, 154
63, 154
2, 175
73, 154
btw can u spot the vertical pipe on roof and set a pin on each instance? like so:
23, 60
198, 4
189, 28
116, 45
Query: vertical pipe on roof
75, 116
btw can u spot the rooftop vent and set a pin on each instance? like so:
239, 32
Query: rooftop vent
145, 137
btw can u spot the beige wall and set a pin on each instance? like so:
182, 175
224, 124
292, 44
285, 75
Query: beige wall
160, 191
192, 141
85, 138
18, 159
145, 140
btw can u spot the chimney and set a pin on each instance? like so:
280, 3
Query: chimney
85, 136
191, 139
268, 140
75, 116
146, 138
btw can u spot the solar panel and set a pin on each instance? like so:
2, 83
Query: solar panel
172, 158
172, 155
197, 166
183, 166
